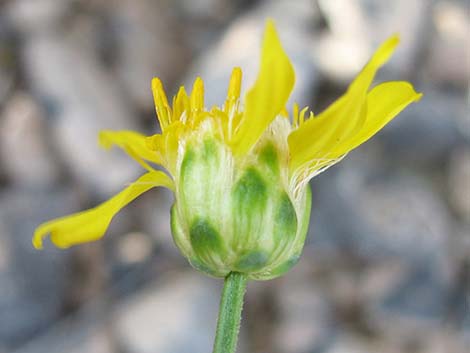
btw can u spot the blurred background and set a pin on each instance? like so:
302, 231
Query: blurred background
386, 267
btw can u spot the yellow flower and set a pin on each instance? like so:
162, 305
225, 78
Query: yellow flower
240, 172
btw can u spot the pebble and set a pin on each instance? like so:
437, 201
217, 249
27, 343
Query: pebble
459, 182
375, 212
307, 318
425, 133
33, 15
150, 45
355, 28
173, 316
24, 150
155, 216
448, 57
79, 103
32, 283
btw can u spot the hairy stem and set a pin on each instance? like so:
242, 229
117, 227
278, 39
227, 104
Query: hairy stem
231, 304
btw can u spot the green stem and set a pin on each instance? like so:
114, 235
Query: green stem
230, 311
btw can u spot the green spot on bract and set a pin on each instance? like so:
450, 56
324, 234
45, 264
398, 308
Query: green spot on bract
188, 162
209, 150
285, 266
204, 237
268, 156
198, 265
252, 261
286, 218
250, 191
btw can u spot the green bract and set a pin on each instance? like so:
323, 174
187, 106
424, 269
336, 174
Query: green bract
238, 213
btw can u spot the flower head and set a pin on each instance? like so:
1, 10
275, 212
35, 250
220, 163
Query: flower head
240, 172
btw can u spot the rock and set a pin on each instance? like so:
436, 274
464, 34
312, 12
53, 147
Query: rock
459, 182
420, 296
306, 319
356, 28
27, 158
84, 331
32, 283
97, 341
8, 62
405, 216
414, 340
149, 43
342, 50
459, 268
426, 132
134, 248
33, 15
376, 212
412, 21
448, 57
5, 249
353, 344
174, 316
80, 100
155, 215
445, 340
208, 11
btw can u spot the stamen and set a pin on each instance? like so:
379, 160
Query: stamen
233, 92
233, 95
295, 115
161, 103
302, 116
197, 97
180, 103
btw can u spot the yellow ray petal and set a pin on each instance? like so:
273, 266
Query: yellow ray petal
133, 143
343, 118
161, 103
384, 102
268, 96
90, 225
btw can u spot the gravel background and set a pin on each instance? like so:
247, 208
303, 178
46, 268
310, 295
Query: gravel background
386, 267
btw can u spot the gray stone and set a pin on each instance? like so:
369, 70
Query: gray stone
209, 11
408, 338
34, 15
426, 132
348, 343
342, 49
405, 216
357, 27
448, 56
7, 62
377, 212
386, 218
32, 283
306, 322
459, 182
174, 316
80, 100
27, 158
87, 330
156, 218
150, 43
